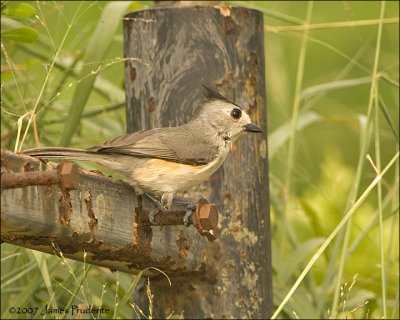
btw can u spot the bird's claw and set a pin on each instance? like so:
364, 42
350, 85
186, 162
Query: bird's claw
190, 207
153, 213
189, 211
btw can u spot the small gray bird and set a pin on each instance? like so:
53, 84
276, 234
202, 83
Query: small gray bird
164, 161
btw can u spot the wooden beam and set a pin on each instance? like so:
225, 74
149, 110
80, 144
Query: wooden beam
102, 218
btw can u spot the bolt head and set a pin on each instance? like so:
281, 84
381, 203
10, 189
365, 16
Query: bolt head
69, 175
207, 214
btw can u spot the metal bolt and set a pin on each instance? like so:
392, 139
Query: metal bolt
67, 176
204, 219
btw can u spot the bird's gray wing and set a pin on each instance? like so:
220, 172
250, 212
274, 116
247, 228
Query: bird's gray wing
171, 144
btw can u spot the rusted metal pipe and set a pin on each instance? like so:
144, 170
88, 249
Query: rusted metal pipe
67, 175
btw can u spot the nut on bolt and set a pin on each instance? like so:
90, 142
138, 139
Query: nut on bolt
207, 214
205, 219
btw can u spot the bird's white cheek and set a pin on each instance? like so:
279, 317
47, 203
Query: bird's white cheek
237, 135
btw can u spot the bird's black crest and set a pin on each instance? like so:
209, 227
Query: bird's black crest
211, 94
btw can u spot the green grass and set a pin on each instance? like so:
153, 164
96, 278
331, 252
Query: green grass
332, 80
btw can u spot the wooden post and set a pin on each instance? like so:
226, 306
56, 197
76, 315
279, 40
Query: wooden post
171, 52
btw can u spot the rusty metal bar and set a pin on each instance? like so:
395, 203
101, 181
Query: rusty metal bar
67, 175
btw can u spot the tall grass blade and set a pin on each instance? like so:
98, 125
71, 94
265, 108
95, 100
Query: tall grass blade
334, 85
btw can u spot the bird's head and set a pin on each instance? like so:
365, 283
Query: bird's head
225, 116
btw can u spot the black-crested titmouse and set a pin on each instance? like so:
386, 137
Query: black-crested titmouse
164, 161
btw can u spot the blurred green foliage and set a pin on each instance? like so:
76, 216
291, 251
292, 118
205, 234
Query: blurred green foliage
320, 62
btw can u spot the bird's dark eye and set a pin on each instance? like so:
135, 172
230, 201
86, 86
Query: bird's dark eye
236, 113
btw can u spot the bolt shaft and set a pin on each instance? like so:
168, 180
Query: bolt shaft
67, 175
11, 180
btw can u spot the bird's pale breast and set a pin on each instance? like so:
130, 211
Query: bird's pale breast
161, 176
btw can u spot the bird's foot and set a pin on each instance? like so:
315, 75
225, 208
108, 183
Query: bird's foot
153, 212
159, 208
190, 208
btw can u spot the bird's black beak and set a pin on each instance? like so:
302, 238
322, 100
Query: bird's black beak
252, 128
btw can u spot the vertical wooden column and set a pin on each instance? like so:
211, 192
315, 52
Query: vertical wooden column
170, 53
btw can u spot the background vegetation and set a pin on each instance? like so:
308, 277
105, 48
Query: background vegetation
332, 70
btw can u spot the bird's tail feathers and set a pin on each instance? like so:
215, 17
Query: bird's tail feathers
73, 154
63, 153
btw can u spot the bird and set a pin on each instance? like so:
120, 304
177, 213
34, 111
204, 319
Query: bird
163, 161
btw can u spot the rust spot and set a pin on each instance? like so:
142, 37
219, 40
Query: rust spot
89, 207
225, 11
85, 239
75, 236
191, 288
142, 232
132, 73
228, 196
151, 104
48, 192
245, 14
183, 245
216, 251
64, 208
229, 200
8, 238
251, 81
234, 148
242, 255
241, 303
229, 25
213, 275
236, 228
129, 256
249, 87
29, 166
135, 233
203, 266
230, 265
225, 84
